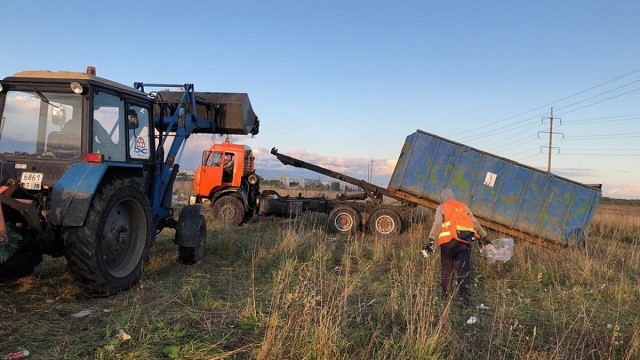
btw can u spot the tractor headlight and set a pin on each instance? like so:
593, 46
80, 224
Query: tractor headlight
76, 87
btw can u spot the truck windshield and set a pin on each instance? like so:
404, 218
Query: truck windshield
41, 124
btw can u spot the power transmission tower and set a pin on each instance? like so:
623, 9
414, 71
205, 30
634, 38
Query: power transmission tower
370, 172
550, 132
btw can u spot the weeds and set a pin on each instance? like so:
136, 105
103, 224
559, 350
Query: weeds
286, 289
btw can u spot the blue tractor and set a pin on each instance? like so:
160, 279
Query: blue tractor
87, 167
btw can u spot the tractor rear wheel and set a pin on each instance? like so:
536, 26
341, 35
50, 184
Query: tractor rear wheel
229, 210
107, 253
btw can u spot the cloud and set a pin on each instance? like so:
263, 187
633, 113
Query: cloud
574, 173
269, 166
352, 166
622, 191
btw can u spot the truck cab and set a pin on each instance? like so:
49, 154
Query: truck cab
223, 165
227, 181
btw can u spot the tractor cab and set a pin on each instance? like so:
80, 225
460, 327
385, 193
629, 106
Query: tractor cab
51, 120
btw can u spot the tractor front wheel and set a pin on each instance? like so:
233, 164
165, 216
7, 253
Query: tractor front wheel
191, 235
107, 253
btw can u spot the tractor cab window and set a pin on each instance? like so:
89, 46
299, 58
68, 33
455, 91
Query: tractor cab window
139, 139
108, 127
34, 124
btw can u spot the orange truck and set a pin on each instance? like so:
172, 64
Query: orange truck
227, 181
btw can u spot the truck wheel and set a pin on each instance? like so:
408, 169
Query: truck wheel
385, 222
229, 210
106, 254
191, 230
343, 220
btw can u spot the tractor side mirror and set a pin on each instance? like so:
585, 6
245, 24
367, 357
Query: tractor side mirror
133, 119
58, 116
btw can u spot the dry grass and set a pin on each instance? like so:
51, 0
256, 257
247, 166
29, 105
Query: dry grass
285, 289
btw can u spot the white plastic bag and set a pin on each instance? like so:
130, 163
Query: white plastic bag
498, 250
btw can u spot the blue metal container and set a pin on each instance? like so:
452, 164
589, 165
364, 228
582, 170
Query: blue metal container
504, 195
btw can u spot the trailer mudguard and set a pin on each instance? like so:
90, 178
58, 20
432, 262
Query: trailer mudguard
72, 194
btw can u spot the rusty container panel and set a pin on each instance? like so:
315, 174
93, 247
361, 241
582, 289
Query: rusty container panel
502, 193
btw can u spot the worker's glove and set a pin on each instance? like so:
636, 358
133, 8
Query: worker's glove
428, 249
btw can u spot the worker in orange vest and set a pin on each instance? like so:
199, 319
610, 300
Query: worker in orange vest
455, 228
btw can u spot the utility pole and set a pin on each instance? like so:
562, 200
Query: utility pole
551, 132
550, 140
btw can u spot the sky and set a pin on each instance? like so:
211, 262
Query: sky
343, 83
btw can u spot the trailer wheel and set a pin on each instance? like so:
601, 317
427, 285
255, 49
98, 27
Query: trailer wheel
229, 210
195, 228
385, 222
106, 254
343, 220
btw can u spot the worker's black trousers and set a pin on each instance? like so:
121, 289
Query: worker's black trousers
455, 255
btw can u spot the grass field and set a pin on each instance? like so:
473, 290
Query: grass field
286, 289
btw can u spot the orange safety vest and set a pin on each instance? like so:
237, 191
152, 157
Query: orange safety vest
455, 219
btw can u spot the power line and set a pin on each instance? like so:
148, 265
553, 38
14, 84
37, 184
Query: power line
495, 131
603, 136
602, 118
584, 154
601, 101
518, 144
527, 150
608, 149
595, 96
526, 157
551, 103
571, 123
566, 112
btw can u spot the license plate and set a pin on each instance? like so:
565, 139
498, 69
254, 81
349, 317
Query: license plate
31, 180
